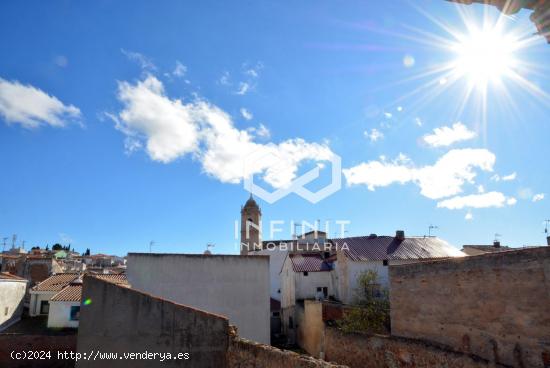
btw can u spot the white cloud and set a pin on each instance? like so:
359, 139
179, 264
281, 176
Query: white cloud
171, 129
399, 108
373, 135
485, 200
469, 216
225, 79
244, 87
253, 71
31, 107
246, 114
480, 189
445, 178
418, 122
180, 70
538, 197
143, 61
388, 115
261, 131
509, 177
445, 136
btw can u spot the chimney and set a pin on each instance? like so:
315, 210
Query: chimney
400, 234
496, 244
548, 240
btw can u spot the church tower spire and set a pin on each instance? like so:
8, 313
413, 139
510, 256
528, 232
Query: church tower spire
251, 222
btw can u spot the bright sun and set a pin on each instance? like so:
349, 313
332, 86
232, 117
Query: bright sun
485, 55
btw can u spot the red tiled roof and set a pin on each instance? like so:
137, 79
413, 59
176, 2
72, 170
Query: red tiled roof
377, 248
119, 279
56, 282
309, 263
72, 293
10, 276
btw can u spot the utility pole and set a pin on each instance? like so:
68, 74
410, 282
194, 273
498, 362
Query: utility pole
4, 244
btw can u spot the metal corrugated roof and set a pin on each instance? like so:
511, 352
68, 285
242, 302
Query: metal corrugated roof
309, 263
370, 248
72, 293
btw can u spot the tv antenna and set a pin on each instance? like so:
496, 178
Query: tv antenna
13, 240
151, 245
4, 244
546, 227
430, 228
497, 236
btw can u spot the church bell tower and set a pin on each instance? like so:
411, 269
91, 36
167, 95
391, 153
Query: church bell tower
251, 222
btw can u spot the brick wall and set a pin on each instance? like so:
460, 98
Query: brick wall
496, 306
374, 351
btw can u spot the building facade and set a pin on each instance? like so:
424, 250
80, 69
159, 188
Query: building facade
12, 294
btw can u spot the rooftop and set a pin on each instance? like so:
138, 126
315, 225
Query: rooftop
10, 276
309, 263
378, 248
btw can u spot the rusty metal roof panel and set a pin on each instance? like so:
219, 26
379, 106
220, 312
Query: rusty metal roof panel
369, 248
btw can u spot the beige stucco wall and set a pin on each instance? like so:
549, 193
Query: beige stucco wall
12, 293
495, 306
36, 298
311, 328
233, 286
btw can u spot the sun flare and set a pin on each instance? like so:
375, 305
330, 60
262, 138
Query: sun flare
484, 55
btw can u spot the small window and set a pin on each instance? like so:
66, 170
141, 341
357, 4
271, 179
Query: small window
75, 313
44, 307
385, 262
6, 311
306, 273
290, 322
275, 314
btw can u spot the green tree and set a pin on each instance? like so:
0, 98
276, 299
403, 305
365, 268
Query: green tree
371, 310
57, 247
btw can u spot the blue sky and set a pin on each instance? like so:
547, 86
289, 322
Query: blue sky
125, 122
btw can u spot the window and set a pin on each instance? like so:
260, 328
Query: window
6, 311
75, 313
290, 322
44, 307
275, 314
385, 262
306, 273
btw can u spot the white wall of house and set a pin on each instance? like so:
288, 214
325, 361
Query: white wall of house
233, 286
12, 293
348, 271
276, 259
36, 300
60, 315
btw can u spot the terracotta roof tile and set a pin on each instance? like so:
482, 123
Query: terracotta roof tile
56, 282
309, 263
71, 293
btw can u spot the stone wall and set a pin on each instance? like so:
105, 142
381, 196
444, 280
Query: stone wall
496, 306
374, 351
247, 354
123, 320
